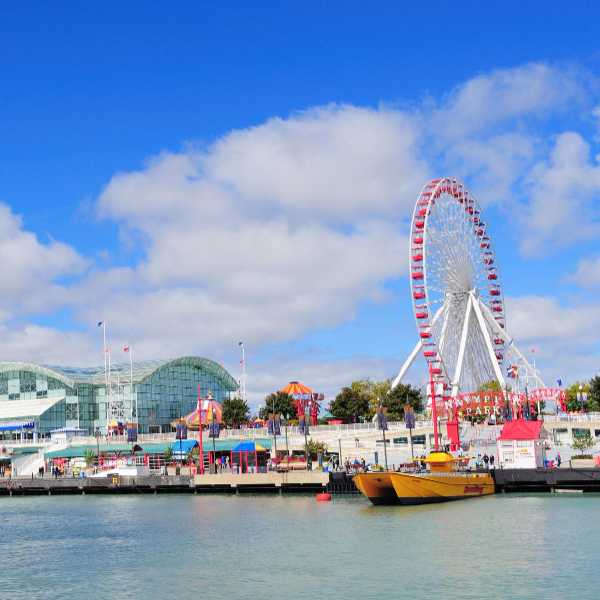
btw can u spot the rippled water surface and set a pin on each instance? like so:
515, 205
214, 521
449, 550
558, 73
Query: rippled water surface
273, 547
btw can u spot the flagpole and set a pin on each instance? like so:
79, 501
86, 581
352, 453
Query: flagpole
244, 365
108, 394
131, 386
536, 383
200, 429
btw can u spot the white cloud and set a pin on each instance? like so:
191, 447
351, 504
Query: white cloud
46, 345
290, 226
587, 274
507, 95
565, 337
270, 232
563, 198
31, 270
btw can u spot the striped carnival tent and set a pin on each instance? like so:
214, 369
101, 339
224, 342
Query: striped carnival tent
297, 391
209, 407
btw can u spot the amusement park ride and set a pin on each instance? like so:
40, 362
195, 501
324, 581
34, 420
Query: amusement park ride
458, 305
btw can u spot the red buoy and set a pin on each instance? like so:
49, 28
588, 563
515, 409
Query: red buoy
323, 497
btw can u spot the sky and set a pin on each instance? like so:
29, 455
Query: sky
199, 174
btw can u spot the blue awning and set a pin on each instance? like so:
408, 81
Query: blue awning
17, 425
182, 447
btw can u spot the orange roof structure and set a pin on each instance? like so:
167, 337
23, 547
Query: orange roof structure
297, 390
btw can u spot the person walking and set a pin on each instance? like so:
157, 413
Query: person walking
558, 459
486, 460
492, 461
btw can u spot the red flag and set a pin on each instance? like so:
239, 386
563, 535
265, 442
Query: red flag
241, 362
127, 349
533, 350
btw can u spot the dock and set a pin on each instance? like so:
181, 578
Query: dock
294, 482
547, 480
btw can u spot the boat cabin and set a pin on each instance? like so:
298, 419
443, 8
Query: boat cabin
521, 445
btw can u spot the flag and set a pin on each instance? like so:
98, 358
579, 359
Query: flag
532, 350
559, 381
127, 349
100, 323
511, 341
240, 343
509, 353
107, 351
221, 364
241, 362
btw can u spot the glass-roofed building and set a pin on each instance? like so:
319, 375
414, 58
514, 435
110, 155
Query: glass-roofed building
43, 398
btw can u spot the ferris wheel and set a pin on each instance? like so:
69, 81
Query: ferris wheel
456, 293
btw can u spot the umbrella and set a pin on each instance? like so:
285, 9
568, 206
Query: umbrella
245, 447
115, 424
249, 447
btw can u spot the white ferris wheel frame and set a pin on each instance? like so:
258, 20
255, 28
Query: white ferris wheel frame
476, 323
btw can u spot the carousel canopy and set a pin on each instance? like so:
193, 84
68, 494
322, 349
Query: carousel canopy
297, 390
209, 407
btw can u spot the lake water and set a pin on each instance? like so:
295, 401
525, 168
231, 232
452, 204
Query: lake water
506, 546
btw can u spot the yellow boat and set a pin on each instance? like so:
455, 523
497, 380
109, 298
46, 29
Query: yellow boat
377, 487
441, 483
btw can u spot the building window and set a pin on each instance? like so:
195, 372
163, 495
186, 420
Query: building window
55, 384
14, 396
73, 412
3, 383
523, 443
508, 457
505, 444
94, 413
42, 394
27, 381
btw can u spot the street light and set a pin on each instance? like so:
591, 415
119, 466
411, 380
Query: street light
581, 398
340, 445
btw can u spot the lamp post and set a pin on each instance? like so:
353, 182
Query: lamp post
581, 398
287, 450
201, 454
274, 432
340, 445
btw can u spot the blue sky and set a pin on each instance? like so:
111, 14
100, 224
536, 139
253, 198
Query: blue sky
198, 174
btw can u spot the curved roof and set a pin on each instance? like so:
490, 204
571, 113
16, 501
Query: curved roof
141, 370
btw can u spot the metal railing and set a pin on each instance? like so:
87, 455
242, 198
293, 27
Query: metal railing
574, 418
347, 431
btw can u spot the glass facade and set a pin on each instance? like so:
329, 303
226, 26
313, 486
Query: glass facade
162, 391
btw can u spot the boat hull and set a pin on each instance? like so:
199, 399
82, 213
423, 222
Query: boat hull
377, 487
431, 488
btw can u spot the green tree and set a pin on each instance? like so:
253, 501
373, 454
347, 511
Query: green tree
582, 443
284, 405
350, 403
168, 453
594, 392
573, 401
235, 411
314, 448
88, 456
192, 454
395, 401
493, 386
